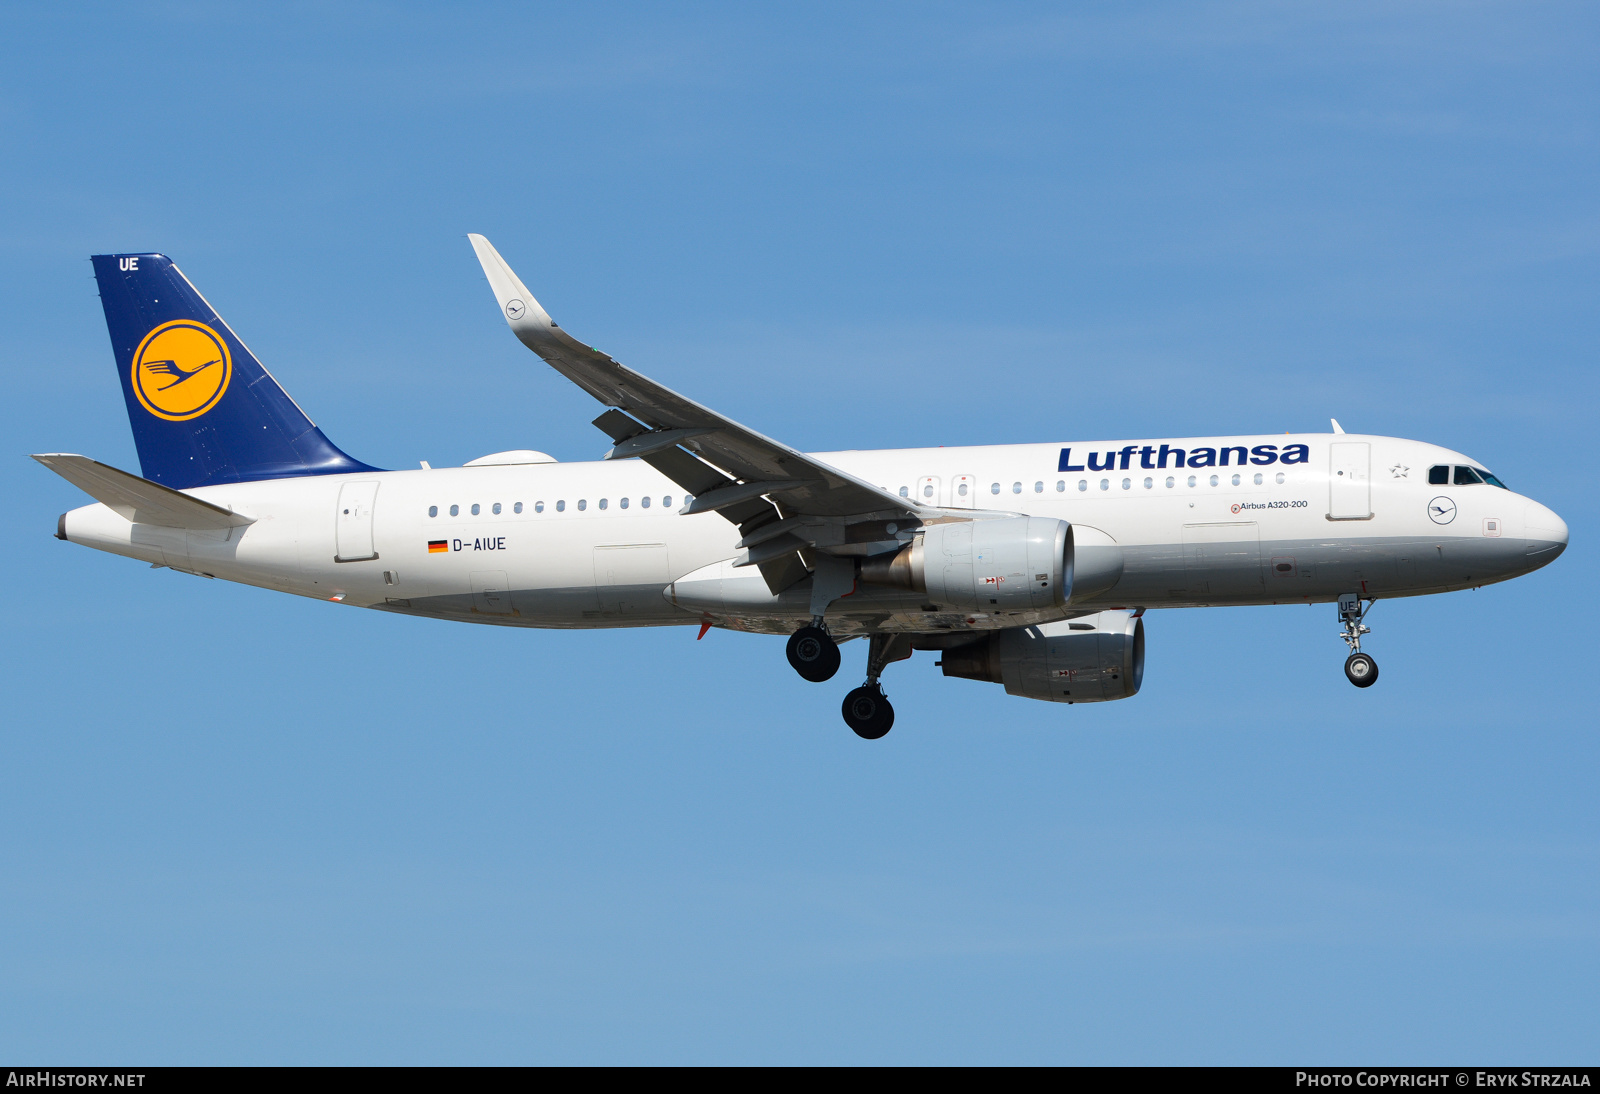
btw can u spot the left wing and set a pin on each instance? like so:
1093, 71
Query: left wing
783, 500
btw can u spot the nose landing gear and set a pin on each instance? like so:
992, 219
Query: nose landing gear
866, 709
1359, 668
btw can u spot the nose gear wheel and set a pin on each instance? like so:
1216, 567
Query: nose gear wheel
1361, 670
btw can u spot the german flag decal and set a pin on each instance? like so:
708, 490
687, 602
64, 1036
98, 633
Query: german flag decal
438, 546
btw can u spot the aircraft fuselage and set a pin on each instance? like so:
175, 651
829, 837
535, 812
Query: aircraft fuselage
602, 544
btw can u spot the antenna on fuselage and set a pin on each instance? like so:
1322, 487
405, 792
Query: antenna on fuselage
1337, 428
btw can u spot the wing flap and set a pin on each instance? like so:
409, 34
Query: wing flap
698, 477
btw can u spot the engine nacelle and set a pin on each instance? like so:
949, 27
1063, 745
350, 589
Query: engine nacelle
1096, 563
1005, 564
1088, 660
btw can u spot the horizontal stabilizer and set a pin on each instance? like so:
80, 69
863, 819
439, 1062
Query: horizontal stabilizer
140, 500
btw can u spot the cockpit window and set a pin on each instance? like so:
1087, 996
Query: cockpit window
1439, 475
1466, 476
1491, 480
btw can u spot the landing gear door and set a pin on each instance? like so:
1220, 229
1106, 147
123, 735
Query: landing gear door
353, 522
1350, 480
630, 577
1223, 560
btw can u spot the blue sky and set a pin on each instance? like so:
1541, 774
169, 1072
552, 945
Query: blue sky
240, 827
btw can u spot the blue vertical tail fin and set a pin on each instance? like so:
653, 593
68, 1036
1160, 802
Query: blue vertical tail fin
203, 409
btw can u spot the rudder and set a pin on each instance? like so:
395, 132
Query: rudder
203, 409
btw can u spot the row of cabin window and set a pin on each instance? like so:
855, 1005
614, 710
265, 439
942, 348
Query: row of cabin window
1439, 475
561, 506
1105, 484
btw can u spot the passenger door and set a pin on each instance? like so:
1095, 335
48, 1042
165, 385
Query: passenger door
1350, 480
353, 522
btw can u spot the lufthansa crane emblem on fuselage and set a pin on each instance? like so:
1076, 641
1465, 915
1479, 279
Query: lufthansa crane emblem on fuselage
181, 370
1441, 510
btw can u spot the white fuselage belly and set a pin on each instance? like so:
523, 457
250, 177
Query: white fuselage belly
1299, 540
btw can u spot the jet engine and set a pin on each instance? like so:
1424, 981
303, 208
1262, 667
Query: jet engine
1005, 564
1088, 660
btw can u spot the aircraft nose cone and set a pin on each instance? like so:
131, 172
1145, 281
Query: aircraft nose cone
1546, 533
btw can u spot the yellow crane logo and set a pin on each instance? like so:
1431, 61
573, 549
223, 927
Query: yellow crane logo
181, 370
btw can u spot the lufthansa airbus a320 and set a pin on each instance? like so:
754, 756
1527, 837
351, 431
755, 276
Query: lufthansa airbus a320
1027, 565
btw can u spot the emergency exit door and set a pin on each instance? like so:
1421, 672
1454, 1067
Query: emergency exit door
1350, 480
963, 492
353, 522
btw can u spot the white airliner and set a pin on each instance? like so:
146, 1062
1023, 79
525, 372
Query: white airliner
1027, 565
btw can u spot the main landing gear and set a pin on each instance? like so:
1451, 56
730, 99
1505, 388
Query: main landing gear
866, 709
813, 653
1359, 668
815, 656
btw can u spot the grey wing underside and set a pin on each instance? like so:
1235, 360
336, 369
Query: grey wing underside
785, 503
